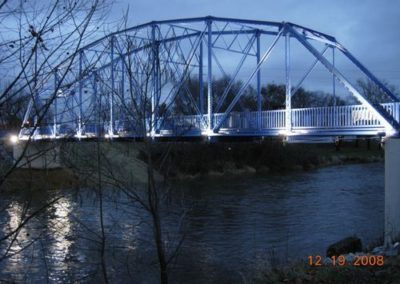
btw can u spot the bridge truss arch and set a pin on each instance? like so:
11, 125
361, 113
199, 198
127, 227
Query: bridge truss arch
127, 84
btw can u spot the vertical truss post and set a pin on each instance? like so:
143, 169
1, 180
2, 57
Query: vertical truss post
201, 94
158, 97
334, 88
209, 76
111, 97
288, 85
36, 97
258, 82
55, 103
333, 77
79, 132
158, 75
155, 81
96, 103
122, 91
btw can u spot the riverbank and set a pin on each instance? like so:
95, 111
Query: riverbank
196, 160
190, 160
42, 179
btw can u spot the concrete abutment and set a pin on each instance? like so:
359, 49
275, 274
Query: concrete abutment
392, 190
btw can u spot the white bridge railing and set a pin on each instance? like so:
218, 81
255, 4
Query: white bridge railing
351, 117
317, 117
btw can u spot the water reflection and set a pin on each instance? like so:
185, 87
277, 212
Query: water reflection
59, 239
232, 231
12, 247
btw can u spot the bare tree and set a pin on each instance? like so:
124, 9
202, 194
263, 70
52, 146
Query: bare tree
373, 92
46, 45
147, 75
37, 39
137, 105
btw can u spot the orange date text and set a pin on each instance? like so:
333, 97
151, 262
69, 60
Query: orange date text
359, 260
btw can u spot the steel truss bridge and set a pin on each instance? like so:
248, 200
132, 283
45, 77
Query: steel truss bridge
126, 85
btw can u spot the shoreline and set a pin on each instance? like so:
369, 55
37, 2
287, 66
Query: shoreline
65, 177
37, 179
194, 161
246, 170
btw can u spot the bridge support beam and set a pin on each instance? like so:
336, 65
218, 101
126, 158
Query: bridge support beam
209, 77
288, 102
111, 96
201, 95
392, 190
55, 103
258, 56
155, 82
80, 113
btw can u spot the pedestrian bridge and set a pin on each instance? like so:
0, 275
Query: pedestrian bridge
135, 83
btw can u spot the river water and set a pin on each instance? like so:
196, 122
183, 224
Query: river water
233, 228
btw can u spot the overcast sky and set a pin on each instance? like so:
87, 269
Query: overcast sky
370, 29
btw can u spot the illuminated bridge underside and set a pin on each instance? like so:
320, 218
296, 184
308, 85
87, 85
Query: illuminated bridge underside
117, 86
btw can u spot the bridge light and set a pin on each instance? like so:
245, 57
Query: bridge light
14, 139
390, 132
79, 135
109, 136
207, 132
283, 132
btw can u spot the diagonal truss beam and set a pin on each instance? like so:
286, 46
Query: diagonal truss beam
310, 69
180, 83
243, 88
188, 92
367, 72
382, 115
233, 79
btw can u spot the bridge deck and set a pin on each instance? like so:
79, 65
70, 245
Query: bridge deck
319, 121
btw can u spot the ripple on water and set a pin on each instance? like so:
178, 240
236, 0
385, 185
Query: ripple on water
234, 228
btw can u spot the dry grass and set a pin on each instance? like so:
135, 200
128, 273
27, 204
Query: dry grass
41, 179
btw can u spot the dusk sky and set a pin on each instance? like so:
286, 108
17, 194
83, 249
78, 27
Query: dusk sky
369, 29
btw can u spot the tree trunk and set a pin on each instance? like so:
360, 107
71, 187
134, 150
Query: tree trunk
160, 248
153, 200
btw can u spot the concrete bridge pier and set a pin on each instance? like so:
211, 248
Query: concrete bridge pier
37, 155
392, 190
